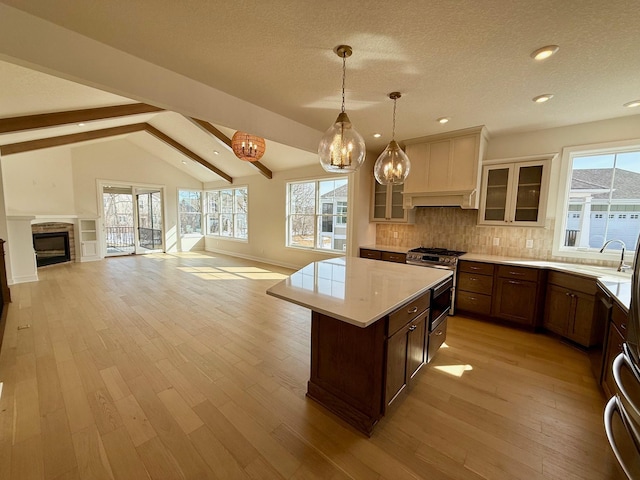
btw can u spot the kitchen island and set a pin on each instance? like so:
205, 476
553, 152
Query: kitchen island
372, 329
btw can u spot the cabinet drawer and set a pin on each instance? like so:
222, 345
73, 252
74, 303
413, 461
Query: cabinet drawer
472, 282
518, 273
436, 339
394, 257
620, 319
373, 254
476, 267
408, 312
473, 302
573, 282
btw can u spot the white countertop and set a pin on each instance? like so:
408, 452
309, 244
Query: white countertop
387, 248
356, 290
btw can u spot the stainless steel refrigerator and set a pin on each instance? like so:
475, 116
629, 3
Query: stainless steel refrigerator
622, 413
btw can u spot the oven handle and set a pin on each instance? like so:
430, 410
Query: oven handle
443, 287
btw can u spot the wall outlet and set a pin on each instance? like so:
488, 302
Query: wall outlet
529, 243
496, 241
395, 234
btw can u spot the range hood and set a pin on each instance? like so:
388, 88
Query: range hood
459, 198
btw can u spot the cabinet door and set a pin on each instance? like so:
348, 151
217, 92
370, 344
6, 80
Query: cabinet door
379, 207
387, 204
581, 328
612, 350
416, 345
396, 378
557, 309
496, 186
515, 300
528, 191
89, 249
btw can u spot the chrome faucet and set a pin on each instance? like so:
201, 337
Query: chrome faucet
623, 266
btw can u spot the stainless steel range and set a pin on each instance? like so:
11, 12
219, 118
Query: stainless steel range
437, 258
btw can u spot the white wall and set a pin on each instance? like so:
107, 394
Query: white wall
38, 182
122, 161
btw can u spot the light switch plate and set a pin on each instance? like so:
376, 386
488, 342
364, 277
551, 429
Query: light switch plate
496, 241
529, 243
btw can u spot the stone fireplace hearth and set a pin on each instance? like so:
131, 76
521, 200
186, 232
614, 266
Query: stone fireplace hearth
58, 227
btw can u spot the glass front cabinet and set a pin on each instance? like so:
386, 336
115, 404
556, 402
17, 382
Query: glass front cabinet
386, 205
514, 193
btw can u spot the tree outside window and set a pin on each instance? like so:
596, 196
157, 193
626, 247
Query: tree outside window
227, 211
190, 212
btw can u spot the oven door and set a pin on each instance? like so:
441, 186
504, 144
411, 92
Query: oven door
440, 303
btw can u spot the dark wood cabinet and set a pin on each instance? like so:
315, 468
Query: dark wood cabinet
613, 347
569, 308
383, 255
518, 294
475, 287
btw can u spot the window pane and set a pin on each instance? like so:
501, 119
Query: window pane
240, 226
241, 200
301, 230
214, 225
213, 202
189, 212
625, 201
226, 225
226, 201
302, 198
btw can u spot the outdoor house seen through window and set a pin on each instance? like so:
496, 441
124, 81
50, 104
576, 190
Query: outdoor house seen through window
317, 214
227, 213
603, 202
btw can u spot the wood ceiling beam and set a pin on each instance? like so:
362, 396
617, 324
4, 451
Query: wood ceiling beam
210, 129
185, 151
62, 140
45, 120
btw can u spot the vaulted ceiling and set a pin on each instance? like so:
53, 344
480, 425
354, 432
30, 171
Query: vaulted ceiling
270, 66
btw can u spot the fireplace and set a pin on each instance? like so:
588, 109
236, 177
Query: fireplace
51, 248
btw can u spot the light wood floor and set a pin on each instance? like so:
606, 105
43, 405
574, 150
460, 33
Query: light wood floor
179, 366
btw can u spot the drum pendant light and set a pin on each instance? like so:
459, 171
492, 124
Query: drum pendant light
393, 165
341, 148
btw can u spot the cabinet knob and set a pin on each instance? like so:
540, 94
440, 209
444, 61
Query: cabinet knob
412, 328
438, 333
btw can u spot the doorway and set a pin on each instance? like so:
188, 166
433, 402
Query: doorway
132, 220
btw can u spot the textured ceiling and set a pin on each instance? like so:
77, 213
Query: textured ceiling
467, 60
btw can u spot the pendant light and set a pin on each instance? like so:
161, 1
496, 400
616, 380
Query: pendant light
393, 165
247, 147
342, 148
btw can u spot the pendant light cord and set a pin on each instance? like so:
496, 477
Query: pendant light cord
344, 75
393, 131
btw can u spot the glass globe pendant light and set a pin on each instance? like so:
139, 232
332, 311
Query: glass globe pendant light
393, 165
341, 148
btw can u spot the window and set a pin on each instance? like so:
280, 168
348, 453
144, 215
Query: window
227, 213
317, 214
604, 184
190, 212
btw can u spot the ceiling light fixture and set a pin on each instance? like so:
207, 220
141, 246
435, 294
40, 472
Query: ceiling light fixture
544, 52
543, 98
393, 165
341, 148
632, 104
81, 124
216, 152
377, 135
443, 120
247, 147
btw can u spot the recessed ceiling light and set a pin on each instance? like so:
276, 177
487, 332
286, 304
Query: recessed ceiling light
443, 120
632, 104
544, 52
377, 135
81, 124
184, 162
216, 152
543, 98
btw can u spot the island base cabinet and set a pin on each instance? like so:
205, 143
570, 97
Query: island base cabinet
436, 339
347, 368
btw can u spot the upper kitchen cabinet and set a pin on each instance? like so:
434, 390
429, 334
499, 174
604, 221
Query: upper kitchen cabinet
515, 192
386, 205
445, 169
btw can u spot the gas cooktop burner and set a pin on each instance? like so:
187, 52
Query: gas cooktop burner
437, 251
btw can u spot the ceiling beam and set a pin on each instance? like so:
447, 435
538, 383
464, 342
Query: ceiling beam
211, 130
61, 140
185, 151
45, 120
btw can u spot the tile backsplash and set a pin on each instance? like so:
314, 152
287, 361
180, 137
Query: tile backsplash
457, 229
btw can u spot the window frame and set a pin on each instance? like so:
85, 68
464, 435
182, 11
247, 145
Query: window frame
562, 204
234, 214
318, 215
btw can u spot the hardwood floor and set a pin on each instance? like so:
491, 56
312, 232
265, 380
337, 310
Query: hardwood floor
181, 367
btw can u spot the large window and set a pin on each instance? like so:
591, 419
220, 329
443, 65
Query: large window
317, 214
227, 213
190, 212
602, 201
